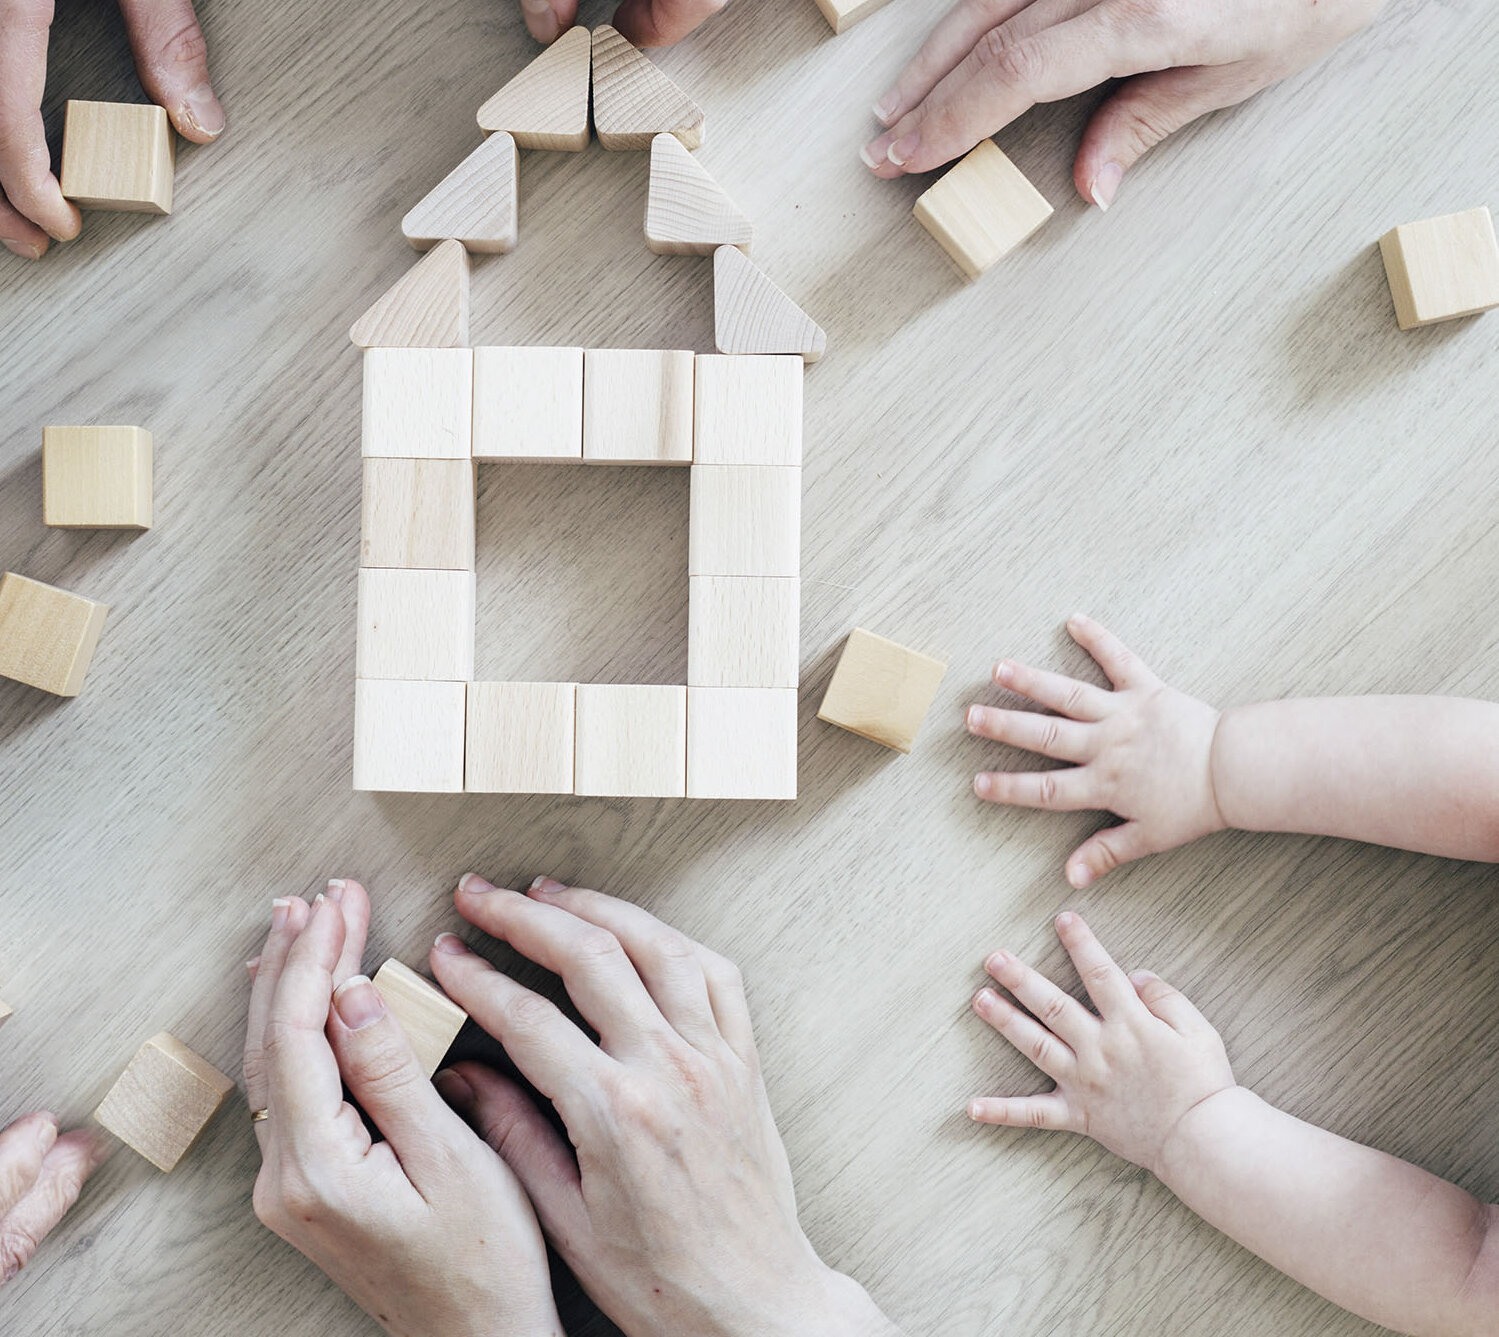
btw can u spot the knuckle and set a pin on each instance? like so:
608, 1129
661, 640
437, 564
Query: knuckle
1053, 1009
595, 946
528, 1012
385, 1071
672, 949
17, 1244
636, 1103
1042, 1050
185, 45
1105, 858
1051, 736
1047, 790
1073, 702
1037, 1117
1099, 974
1006, 59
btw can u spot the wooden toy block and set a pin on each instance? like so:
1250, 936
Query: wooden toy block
843, 14
418, 513
427, 307
419, 403
743, 631
6, 1012
117, 155
981, 209
744, 520
415, 624
752, 315
546, 105
747, 410
881, 690
633, 101
47, 635
429, 1017
686, 211
741, 742
528, 403
520, 737
631, 741
96, 477
408, 736
163, 1100
637, 406
1442, 268
476, 203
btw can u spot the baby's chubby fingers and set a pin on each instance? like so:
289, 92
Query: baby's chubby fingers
1066, 696
1124, 667
1070, 789
1050, 735
1054, 1008
1105, 850
1032, 1039
1108, 986
1045, 1111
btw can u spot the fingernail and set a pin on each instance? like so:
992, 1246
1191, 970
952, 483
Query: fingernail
547, 886
1139, 977
1064, 920
901, 152
984, 998
982, 784
252, 965
336, 887
201, 109
450, 943
455, 1090
975, 717
997, 961
358, 1002
1079, 874
98, 1153
280, 908
1003, 671
887, 106
27, 250
1106, 185
871, 156
474, 885
973, 1110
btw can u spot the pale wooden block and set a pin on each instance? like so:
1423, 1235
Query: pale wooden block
881, 690
741, 742
747, 410
415, 624
744, 520
520, 737
631, 741
843, 14
1442, 268
686, 211
981, 209
528, 403
118, 155
633, 101
427, 307
418, 513
47, 635
6, 1012
637, 406
163, 1100
743, 631
408, 736
545, 106
429, 1017
96, 477
752, 315
419, 403
477, 203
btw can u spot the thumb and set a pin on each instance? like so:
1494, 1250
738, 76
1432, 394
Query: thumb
662, 22
547, 20
1169, 1004
172, 59
1105, 850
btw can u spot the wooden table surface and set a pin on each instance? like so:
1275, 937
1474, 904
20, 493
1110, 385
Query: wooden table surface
1193, 417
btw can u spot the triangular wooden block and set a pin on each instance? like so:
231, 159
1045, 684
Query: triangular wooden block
426, 308
474, 204
633, 101
752, 315
546, 105
687, 211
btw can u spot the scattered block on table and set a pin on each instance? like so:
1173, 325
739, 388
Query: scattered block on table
429, 1017
741, 742
881, 690
427, 307
843, 14
752, 315
163, 1100
96, 477
47, 635
631, 741
415, 624
528, 403
686, 211
117, 155
6, 1012
520, 737
418, 513
476, 204
1442, 268
545, 106
418, 403
633, 101
981, 209
744, 520
747, 410
637, 406
408, 736
743, 631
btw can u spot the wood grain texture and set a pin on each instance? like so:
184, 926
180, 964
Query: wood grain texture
415, 624
545, 106
1442, 268
520, 738
637, 406
427, 307
741, 743
477, 203
747, 410
118, 155
1193, 417
752, 315
631, 741
417, 513
408, 735
161, 1103
528, 403
981, 209
47, 635
633, 101
418, 403
843, 14
686, 211
743, 631
881, 690
96, 477
429, 1017
745, 521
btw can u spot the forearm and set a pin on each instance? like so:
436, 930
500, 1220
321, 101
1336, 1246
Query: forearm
1416, 772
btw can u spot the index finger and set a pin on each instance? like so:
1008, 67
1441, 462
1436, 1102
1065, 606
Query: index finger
25, 162
1108, 986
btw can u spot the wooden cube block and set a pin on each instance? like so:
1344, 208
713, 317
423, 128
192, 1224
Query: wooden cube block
96, 477
1442, 268
418, 513
408, 736
117, 155
528, 403
744, 520
637, 406
47, 636
631, 741
419, 403
982, 209
881, 690
415, 624
741, 742
520, 738
747, 410
843, 14
743, 631
429, 1017
163, 1100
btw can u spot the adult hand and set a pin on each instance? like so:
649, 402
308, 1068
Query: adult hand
41, 1174
990, 60
644, 22
427, 1231
172, 61
673, 1206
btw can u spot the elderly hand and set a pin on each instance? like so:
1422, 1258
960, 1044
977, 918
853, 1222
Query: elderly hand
41, 1174
644, 22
